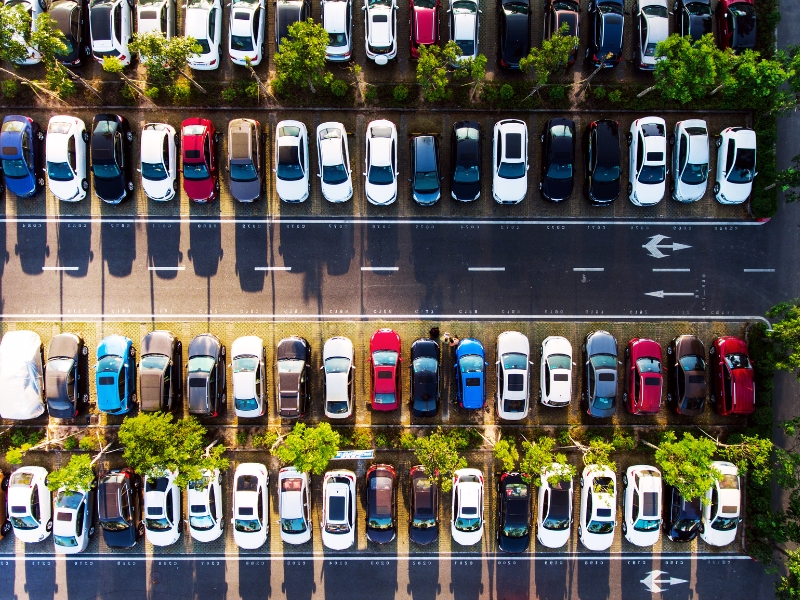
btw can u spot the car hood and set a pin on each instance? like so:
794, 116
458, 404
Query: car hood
465, 192
110, 190
423, 536
650, 193
381, 536
686, 345
426, 25
337, 347
604, 191
204, 345
115, 345
64, 345
246, 190
513, 545
600, 343
199, 189
250, 345
424, 407
557, 189
157, 342
382, 194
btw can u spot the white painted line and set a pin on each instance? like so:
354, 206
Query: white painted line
759, 270
380, 268
498, 269
273, 268
662, 294
166, 268
592, 269
60, 268
671, 270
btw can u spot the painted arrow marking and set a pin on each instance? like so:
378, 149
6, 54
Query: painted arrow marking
655, 243
662, 294
652, 582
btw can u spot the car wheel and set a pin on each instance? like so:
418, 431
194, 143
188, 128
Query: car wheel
175, 185
671, 139
624, 396
216, 138
216, 185
40, 135
85, 351
624, 528
222, 351
2, 187
129, 136
712, 398
580, 531
712, 351
85, 136
87, 51
140, 530
130, 186
6, 528
716, 188
84, 185
672, 187
132, 352
49, 526
630, 188
718, 141
627, 352
629, 138
85, 398
669, 350
624, 483
40, 181
580, 482
540, 395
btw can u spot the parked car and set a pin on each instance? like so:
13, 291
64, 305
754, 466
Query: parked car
424, 24
514, 32
288, 12
423, 522
598, 508
465, 158
681, 517
73, 515
732, 387
159, 161
693, 18
21, 383
600, 361
652, 27
250, 505
513, 513
606, 32
204, 498
334, 158
686, 375
554, 516
20, 143
338, 522
112, 163
291, 161
736, 25
555, 371
72, 19
244, 159
294, 506
425, 378
66, 375
426, 186
30, 504
293, 377
647, 161
206, 376
248, 19
470, 368
337, 19
690, 156
110, 28
736, 165
162, 508
384, 359
557, 14
466, 525
380, 25
602, 162
464, 26
66, 156
249, 377
338, 377
33, 8
5, 524
381, 163
381, 521
722, 506
160, 372
641, 505
510, 160
116, 375
513, 376
119, 507
204, 24
643, 378
199, 146
156, 16
558, 159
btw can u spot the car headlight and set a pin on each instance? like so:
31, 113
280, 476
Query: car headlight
722, 196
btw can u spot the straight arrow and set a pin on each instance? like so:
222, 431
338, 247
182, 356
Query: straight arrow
662, 293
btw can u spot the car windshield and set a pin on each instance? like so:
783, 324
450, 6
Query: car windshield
380, 3
66, 499
648, 365
161, 524
555, 523
604, 174
426, 181
693, 363
511, 170
26, 523
698, 8
603, 403
246, 404
105, 170
559, 171
109, 364
381, 175
384, 358
382, 522
243, 172
245, 364
65, 541
744, 166
293, 525
559, 361
464, 7
687, 525
604, 361
652, 174
337, 407
115, 525
155, 361
154, 171
337, 40
425, 3
466, 174
695, 174
515, 360
600, 527
205, 47
242, 43
290, 366
515, 530
647, 525
195, 171
725, 523
468, 524
247, 525
200, 364
425, 364
423, 522
337, 364
737, 361
15, 168
59, 171
201, 522
334, 174
384, 399
655, 10
471, 363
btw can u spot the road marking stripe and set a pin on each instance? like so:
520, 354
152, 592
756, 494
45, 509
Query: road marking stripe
671, 270
166, 268
380, 268
273, 268
759, 270
499, 269
60, 268
593, 269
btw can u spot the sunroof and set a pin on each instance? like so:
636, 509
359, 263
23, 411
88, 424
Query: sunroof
514, 145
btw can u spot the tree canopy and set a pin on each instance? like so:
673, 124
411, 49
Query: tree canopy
785, 333
506, 452
163, 58
686, 464
551, 56
441, 452
687, 70
300, 59
308, 449
434, 68
474, 70
541, 456
76, 476
15, 32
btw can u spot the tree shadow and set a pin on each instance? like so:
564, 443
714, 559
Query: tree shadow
75, 246
118, 247
32, 248
164, 247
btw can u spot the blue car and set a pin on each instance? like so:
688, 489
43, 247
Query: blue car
21, 155
470, 374
116, 375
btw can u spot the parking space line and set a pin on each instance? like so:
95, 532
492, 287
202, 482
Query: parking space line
380, 268
592, 269
671, 270
497, 269
60, 268
166, 268
759, 270
273, 268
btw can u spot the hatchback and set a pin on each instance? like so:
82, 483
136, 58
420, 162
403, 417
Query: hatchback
722, 506
510, 161
66, 375
199, 146
30, 506
641, 505
338, 377
293, 377
156, 16
338, 521
423, 520
690, 156
384, 360
732, 385
652, 27
425, 378
470, 373
464, 25
686, 375
160, 372
736, 165
380, 25
66, 153
204, 24
600, 361
558, 158
244, 159
514, 35
337, 19
606, 32
250, 505
159, 161
73, 515
21, 147
598, 511
162, 509
381, 520
381, 163
465, 159
602, 162
111, 26
294, 506
249, 378
333, 157
206, 376
513, 375
554, 512
643, 378
72, 19
513, 513
426, 186
248, 19
116, 375
204, 498
424, 24
291, 161
466, 512
555, 372
112, 163
647, 161
119, 507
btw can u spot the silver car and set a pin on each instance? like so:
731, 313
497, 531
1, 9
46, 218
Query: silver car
244, 159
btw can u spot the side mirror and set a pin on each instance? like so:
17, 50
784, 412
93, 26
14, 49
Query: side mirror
138, 170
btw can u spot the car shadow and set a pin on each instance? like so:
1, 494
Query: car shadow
9, 572
466, 578
40, 579
550, 579
423, 579
75, 246
300, 255
255, 577
79, 584
32, 248
205, 245
424, 248
209, 580
118, 247
164, 246
512, 578
382, 245
593, 575
339, 247
251, 255
298, 579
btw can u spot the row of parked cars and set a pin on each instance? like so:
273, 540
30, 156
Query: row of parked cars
125, 514
159, 376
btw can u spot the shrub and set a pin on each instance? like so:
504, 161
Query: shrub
90, 442
382, 441
599, 93
241, 438
557, 93
408, 440
400, 92
128, 93
251, 90
615, 96
10, 88
339, 88
70, 443
506, 92
230, 93
490, 93
370, 94
151, 92
623, 441
361, 439
181, 93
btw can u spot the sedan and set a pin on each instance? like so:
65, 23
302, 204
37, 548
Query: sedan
248, 19
513, 513
555, 374
293, 377
249, 381
732, 386
339, 375
513, 376
514, 35
250, 505
199, 146
643, 379
66, 153
424, 24
111, 26
156, 16
598, 508
73, 515
686, 375
162, 509
465, 159
425, 382
681, 516
380, 24
288, 12
466, 525
426, 188
333, 157
112, 164
66, 375
470, 372
464, 25
384, 360
30, 504
736, 165
33, 8
693, 18
510, 161
160, 372
338, 522
558, 158
652, 27
381, 163
602, 162
20, 142
244, 159
159, 161
204, 24
647, 161
557, 14
606, 32
294, 506
736, 25
116, 375
204, 497
641, 505
206, 376
291, 161
689, 160
554, 516
600, 361
381, 521
119, 507
423, 522
722, 506
337, 19
72, 19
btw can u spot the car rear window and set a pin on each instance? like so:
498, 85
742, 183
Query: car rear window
652, 381
192, 153
603, 512
197, 382
247, 483
64, 516
514, 145
473, 382
649, 504
380, 19
696, 379
384, 375
606, 376
197, 508
106, 381
245, 511
655, 156
294, 484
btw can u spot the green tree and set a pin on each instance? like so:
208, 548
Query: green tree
164, 59
540, 456
751, 454
506, 452
788, 587
551, 56
686, 464
789, 180
301, 58
434, 68
15, 32
440, 453
308, 449
785, 334
473, 69
76, 476
687, 71
755, 81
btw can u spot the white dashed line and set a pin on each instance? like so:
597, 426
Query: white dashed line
499, 269
759, 270
60, 268
380, 268
166, 268
671, 270
593, 269
273, 268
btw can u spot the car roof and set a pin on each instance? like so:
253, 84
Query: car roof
334, 16
424, 152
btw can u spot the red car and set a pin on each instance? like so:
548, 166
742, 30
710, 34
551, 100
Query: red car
736, 24
199, 143
732, 386
384, 358
424, 24
643, 377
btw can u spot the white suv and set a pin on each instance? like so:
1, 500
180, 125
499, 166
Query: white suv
246, 35
159, 161
689, 160
291, 161
30, 505
464, 24
337, 19
204, 498
249, 378
162, 509
641, 505
339, 374
510, 161
338, 523
110, 26
65, 152
512, 364
722, 506
250, 505
647, 161
381, 163
652, 27
380, 24
736, 165
466, 525
555, 380
204, 24
554, 515
334, 162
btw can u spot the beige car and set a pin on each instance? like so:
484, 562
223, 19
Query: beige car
245, 159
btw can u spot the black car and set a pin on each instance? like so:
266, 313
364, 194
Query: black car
465, 161
425, 166
602, 162
558, 158
160, 372
119, 507
66, 375
423, 522
111, 158
600, 361
293, 378
70, 19
686, 375
286, 13
381, 504
206, 378
693, 17
513, 513
424, 378
605, 37
557, 14
514, 23
681, 518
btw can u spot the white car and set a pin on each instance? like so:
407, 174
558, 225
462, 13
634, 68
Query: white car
598, 507
464, 25
294, 506
162, 509
652, 27
156, 15
34, 8
736, 165
246, 34
250, 505
338, 523
721, 507
381, 161
337, 19
21, 375
641, 505
512, 364
380, 24
65, 152
248, 357
291, 161
159, 161
647, 161
339, 375
204, 24
466, 524
110, 26
30, 505
510, 161
555, 380
204, 498
554, 513
73, 518
689, 160
334, 160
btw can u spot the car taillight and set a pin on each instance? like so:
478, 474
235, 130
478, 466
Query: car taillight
123, 57
594, 58
503, 476
213, 62
503, 63
593, 124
